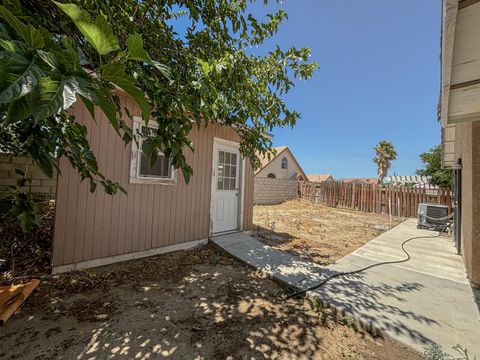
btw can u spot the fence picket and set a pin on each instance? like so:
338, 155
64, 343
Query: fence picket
372, 198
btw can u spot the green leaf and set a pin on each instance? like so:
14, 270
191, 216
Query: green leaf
204, 66
18, 77
23, 107
29, 219
187, 172
116, 74
164, 69
5, 205
103, 98
94, 93
89, 105
50, 91
150, 150
28, 33
44, 162
7, 45
137, 52
93, 185
98, 32
51, 59
56, 95
135, 48
27, 211
74, 57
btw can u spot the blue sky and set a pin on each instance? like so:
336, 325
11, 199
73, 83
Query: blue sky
378, 80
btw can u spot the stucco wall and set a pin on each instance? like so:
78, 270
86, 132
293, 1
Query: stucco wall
41, 183
467, 148
269, 191
275, 167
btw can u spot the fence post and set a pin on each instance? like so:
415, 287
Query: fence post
353, 196
398, 207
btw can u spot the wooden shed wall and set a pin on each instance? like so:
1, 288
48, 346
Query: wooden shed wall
92, 226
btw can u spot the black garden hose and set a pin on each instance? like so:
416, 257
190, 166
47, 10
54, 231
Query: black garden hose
348, 273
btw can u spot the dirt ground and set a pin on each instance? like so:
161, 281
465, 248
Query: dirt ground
316, 232
26, 254
198, 304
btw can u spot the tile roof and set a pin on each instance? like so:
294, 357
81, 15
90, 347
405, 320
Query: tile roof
319, 177
361, 180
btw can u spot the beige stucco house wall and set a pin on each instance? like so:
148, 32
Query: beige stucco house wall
460, 118
274, 166
467, 150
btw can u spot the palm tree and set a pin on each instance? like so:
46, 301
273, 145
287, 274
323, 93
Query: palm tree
385, 154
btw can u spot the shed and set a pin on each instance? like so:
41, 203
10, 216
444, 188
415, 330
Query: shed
161, 213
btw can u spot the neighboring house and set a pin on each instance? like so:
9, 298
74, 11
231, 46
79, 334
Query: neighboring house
161, 212
281, 166
319, 177
361, 180
416, 180
459, 112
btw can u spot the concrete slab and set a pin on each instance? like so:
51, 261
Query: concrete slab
425, 300
277, 264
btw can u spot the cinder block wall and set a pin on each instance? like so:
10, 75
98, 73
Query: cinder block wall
41, 183
269, 191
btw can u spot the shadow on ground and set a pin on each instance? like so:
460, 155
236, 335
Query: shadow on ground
188, 305
271, 236
366, 299
385, 304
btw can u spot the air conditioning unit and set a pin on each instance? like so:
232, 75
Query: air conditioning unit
432, 216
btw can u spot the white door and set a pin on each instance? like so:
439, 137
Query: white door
226, 159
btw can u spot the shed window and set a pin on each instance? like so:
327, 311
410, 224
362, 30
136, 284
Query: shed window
284, 163
162, 167
141, 171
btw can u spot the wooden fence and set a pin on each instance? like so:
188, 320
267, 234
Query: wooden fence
397, 201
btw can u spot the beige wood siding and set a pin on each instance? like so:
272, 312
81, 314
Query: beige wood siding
466, 51
463, 103
92, 226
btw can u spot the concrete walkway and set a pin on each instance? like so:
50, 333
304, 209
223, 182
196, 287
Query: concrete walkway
426, 300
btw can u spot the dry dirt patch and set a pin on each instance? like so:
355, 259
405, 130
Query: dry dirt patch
316, 232
199, 304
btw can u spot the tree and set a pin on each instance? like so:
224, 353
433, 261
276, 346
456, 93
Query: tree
432, 161
186, 64
385, 154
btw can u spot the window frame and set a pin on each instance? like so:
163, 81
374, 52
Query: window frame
135, 159
230, 178
284, 158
